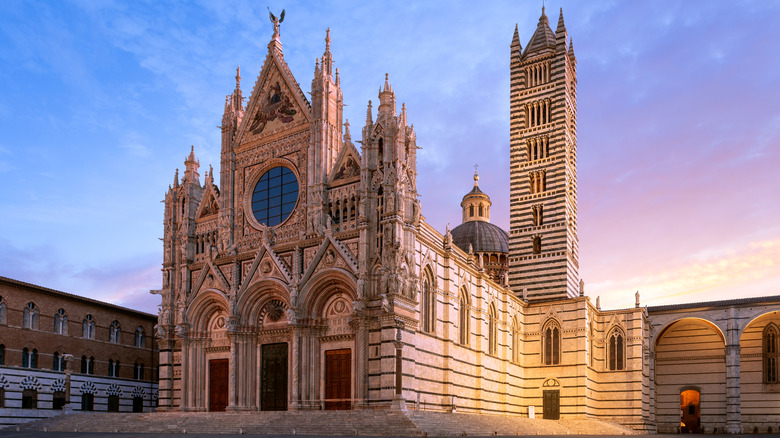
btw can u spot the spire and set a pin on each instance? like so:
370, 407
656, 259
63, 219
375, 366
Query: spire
369, 120
327, 40
210, 176
388, 88
543, 36
327, 57
386, 99
238, 77
403, 114
191, 174
176, 178
516, 41
571, 49
338, 80
561, 27
476, 176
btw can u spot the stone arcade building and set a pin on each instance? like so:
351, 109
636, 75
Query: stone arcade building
310, 279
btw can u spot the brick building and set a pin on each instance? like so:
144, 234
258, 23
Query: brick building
114, 365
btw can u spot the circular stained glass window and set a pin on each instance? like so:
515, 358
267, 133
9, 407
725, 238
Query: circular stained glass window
275, 196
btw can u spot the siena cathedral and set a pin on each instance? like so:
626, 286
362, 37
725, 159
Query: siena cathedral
309, 279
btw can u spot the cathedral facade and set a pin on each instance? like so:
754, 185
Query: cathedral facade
309, 279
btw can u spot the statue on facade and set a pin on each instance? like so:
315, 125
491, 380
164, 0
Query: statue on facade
276, 21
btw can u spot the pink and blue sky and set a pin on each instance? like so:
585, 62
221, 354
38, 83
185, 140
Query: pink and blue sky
678, 142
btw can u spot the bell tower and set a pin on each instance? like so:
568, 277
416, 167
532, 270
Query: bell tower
543, 243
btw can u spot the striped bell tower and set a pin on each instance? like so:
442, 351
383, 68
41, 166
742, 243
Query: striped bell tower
543, 244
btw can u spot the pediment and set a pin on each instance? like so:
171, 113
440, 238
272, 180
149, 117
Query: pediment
209, 203
331, 254
277, 103
265, 265
211, 277
347, 168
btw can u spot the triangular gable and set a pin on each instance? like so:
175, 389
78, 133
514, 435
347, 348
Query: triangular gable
209, 202
217, 282
331, 253
347, 166
266, 264
277, 101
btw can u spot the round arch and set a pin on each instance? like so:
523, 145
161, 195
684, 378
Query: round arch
320, 287
668, 325
257, 295
200, 311
756, 314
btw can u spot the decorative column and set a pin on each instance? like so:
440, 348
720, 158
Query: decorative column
233, 366
359, 326
295, 342
398, 401
185, 375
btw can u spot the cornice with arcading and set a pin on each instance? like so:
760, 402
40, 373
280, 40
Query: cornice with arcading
542, 162
256, 152
537, 89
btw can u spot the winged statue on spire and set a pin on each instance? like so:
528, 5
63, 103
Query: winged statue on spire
276, 21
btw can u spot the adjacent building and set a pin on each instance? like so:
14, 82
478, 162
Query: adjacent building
113, 354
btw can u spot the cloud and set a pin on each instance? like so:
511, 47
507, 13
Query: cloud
749, 270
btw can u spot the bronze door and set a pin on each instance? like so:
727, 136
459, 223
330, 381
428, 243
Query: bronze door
218, 385
273, 390
338, 379
551, 404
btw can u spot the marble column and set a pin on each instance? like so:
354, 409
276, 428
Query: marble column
733, 416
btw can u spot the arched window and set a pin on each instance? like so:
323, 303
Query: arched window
30, 317
551, 345
515, 341
115, 333
138, 371
464, 317
58, 362
617, 350
139, 337
61, 322
481, 210
471, 211
492, 330
29, 358
88, 327
87, 365
770, 353
428, 303
113, 368
3, 312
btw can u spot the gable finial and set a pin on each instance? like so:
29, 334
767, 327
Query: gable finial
276, 22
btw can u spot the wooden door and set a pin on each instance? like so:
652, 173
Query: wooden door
273, 377
218, 385
338, 379
551, 404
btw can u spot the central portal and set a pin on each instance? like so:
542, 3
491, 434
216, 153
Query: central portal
273, 389
338, 379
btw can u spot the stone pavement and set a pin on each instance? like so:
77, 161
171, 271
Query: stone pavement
316, 423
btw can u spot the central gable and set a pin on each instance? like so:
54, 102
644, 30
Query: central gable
277, 104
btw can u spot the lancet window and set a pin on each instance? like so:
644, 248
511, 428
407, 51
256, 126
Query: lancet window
538, 147
616, 350
30, 317
551, 344
538, 113
464, 318
537, 74
61, 322
770, 353
428, 302
492, 330
538, 181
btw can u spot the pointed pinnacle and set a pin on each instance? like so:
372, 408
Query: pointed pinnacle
369, 121
561, 26
238, 77
327, 40
347, 135
387, 82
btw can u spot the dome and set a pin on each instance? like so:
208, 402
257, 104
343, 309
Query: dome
482, 236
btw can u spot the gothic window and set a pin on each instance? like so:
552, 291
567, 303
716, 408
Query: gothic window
551, 344
138, 371
88, 328
113, 368
770, 353
87, 365
29, 399
3, 312
592, 340
29, 358
61, 322
115, 333
617, 351
139, 337
58, 362
464, 318
428, 302
537, 244
492, 330
515, 341
30, 317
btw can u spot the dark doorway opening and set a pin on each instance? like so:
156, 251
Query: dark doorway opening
690, 411
113, 403
551, 404
58, 400
273, 378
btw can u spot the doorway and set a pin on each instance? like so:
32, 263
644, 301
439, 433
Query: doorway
218, 385
113, 403
551, 404
690, 411
338, 379
273, 377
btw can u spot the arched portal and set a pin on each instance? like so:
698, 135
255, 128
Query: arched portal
690, 411
690, 355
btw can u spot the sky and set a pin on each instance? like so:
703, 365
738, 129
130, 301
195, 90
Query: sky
678, 127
